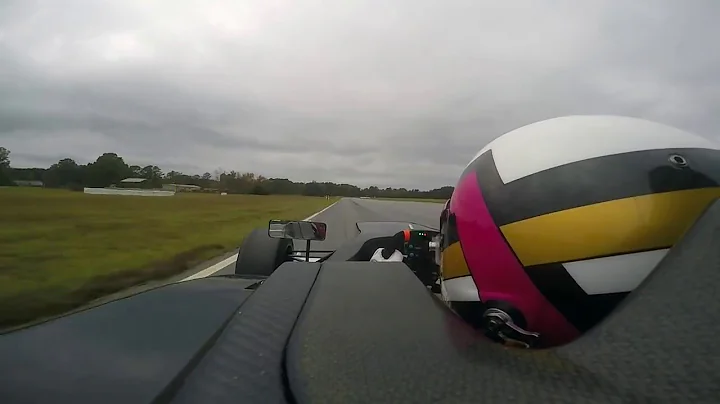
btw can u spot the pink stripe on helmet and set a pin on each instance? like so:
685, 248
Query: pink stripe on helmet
496, 270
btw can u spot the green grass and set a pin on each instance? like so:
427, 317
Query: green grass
415, 200
62, 249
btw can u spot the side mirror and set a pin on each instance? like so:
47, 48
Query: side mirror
297, 230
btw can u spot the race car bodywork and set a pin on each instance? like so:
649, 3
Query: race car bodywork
343, 330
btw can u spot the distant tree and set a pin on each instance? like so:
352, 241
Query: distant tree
314, 189
26, 174
259, 190
153, 174
217, 173
108, 169
64, 173
4, 158
373, 191
135, 170
5, 179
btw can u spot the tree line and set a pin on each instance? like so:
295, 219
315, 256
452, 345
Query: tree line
109, 169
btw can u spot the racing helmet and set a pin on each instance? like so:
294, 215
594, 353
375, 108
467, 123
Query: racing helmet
551, 225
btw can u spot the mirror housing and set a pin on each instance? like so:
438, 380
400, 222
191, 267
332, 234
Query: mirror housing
297, 230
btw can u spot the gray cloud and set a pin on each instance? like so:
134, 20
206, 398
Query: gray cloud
365, 92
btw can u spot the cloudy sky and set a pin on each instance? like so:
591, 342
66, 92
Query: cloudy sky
391, 93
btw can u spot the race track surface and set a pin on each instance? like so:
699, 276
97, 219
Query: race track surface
342, 216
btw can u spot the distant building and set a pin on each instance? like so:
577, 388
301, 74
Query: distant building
133, 183
133, 180
29, 183
181, 187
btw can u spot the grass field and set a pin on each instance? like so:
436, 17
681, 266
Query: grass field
61, 249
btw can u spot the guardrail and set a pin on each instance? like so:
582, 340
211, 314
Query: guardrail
131, 192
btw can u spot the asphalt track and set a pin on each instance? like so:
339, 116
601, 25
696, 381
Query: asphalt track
341, 218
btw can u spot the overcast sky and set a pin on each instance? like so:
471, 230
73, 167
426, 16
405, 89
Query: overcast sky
391, 93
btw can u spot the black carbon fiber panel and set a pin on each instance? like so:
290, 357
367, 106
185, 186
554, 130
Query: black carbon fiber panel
124, 351
245, 365
373, 334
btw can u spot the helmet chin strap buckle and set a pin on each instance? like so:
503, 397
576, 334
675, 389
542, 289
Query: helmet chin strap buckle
502, 328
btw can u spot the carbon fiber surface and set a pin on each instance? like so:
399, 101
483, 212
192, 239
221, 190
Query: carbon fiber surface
245, 365
361, 340
125, 351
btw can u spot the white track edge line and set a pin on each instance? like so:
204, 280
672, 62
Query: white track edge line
229, 260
